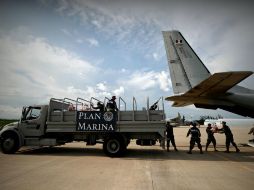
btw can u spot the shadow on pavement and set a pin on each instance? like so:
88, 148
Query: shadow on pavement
246, 154
62, 151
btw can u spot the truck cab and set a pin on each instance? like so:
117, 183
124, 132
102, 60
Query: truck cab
33, 120
31, 124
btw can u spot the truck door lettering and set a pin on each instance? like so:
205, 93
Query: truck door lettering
81, 127
104, 127
95, 127
81, 114
110, 128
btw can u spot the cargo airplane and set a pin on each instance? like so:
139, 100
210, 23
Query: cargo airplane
194, 84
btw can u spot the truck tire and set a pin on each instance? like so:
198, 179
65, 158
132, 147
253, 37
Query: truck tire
9, 143
114, 146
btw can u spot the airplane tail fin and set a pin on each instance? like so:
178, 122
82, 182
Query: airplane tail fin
186, 68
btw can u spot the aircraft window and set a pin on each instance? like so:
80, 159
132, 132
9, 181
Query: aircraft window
178, 84
181, 41
176, 41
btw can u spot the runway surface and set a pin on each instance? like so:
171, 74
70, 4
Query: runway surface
76, 166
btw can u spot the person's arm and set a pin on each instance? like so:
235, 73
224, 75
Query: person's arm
115, 106
93, 106
188, 133
207, 130
251, 130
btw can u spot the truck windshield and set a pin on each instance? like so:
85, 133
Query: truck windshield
30, 113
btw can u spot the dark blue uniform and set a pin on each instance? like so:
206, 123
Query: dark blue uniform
195, 138
100, 107
111, 105
170, 136
229, 137
210, 137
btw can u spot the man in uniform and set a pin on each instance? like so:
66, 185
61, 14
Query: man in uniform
99, 107
229, 137
195, 138
210, 137
251, 132
170, 136
111, 105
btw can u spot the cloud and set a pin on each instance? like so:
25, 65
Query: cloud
142, 80
9, 112
164, 81
123, 70
96, 23
138, 24
66, 32
33, 71
101, 86
80, 41
113, 20
93, 42
147, 80
155, 56
119, 91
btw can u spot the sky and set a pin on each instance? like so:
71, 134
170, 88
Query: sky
100, 48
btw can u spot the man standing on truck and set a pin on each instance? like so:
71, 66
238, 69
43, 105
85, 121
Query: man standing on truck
170, 136
111, 105
99, 107
195, 137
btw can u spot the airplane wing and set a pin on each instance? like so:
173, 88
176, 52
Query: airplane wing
215, 85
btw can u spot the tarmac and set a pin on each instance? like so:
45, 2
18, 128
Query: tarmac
76, 166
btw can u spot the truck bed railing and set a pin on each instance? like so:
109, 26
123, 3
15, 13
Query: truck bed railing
119, 105
93, 98
83, 101
60, 107
106, 99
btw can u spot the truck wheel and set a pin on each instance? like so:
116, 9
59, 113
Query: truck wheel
114, 147
9, 144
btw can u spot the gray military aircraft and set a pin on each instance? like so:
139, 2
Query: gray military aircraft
194, 84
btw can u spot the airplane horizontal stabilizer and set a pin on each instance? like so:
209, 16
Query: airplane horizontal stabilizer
182, 100
218, 83
181, 104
